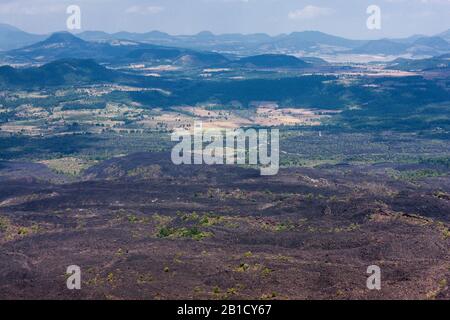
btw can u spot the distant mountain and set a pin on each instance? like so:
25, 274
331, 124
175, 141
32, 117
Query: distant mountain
429, 46
315, 61
142, 37
271, 61
12, 38
440, 63
410, 39
64, 45
202, 39
153, 37
445, 35
176, 56
192, 58
95, 36
306, 42
312, 40
434, 42
415, 46
61, 72
383, 46
61, 45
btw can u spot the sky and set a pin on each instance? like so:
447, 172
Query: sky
347, 18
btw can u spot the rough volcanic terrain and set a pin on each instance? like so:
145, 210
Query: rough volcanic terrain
142, 228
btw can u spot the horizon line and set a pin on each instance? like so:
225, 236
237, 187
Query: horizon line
77, 32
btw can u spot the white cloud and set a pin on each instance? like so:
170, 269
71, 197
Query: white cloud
309, 12
144, 9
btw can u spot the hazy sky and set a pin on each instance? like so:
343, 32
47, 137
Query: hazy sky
340, 17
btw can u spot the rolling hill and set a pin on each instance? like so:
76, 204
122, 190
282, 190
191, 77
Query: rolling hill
440, 63
61, 72
383, 46
429, 46
64, 45
13, 38
271, 61
415, 46
445, 35
312, 41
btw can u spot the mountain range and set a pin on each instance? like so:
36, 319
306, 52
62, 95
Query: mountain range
307, 42
415, 47
64, 45
13, 38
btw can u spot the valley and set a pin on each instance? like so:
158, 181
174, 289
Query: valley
86, 175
